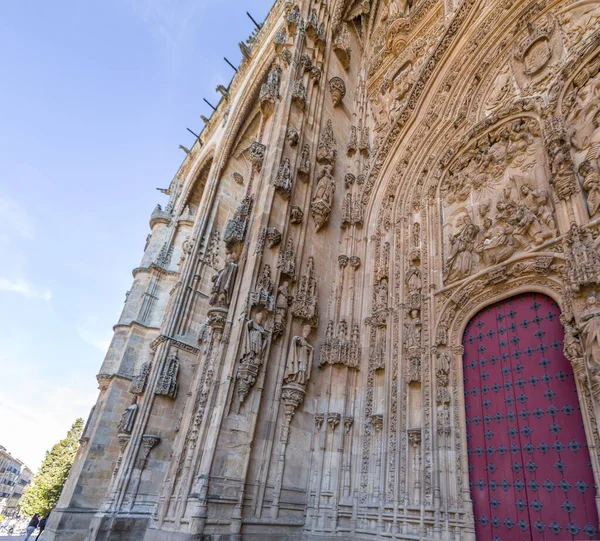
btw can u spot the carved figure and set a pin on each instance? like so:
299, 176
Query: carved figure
252, 358
460, 260
128, 417
287, 259
300, 359
325, 187
323, 199
223, 282
591, 184
496, 243
256, 339
382, 294
590, 329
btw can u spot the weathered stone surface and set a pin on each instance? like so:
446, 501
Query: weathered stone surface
448, 155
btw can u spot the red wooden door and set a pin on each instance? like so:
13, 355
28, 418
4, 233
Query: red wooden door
529, 465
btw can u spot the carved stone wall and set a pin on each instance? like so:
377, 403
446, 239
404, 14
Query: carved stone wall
289, 358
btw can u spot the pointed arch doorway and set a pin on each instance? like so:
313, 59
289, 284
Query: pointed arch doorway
529, 466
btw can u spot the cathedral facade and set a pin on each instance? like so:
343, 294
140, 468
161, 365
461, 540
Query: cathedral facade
368, 309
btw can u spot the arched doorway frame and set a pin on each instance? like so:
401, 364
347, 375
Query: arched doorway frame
551, 286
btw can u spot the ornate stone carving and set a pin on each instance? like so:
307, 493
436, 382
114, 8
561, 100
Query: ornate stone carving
163, 259
590, 331
337, 89
287, 260
312, 24
238, 179
299, 94
582, 261
257, 155
412, 345
296, 215
333, 420
341, 348
352, 145
256, 341
166, 384
273, 237
305, 304
363, 144
224, 282
322, 201
269, 91
235, 231
283, 180
305, 164
280, 40
293, 19
292, 136
341, 46
262, 295
139, 382
541, 48
326, 149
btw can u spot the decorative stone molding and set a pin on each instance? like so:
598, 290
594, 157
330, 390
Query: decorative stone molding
306, 300
166, 384
283, 180
235, 231
257, 155
337, 89
296, 215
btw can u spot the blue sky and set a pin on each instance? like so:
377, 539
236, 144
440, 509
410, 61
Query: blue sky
95, 96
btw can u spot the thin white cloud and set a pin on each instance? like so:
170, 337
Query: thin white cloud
14, 218
25, 288
95, 333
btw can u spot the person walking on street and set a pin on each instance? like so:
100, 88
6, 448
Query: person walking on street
33, 524
42, 526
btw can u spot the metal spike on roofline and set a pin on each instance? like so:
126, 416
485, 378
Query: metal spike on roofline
232, 66
258, 26
195, 135
210, 104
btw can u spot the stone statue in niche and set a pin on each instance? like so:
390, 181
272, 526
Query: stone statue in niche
381, 302
300, 359
128, 417
442, 367
323, 199
591, 184
413, 335
460, 261
282, 303
252, 358
573, 349
590, 166
413, 276
256, 339
590, 329
223, 282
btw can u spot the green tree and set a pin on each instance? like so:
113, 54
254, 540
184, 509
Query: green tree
43, 492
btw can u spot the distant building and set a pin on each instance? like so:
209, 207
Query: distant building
14, 477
